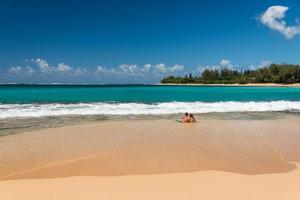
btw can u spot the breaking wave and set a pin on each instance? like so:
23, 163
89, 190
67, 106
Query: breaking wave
43, 110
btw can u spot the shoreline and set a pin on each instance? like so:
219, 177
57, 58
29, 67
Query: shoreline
235, 84
110, 148
19, 125
154, 84
154, 159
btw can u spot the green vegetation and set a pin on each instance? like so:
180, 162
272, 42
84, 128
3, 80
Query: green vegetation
275, 73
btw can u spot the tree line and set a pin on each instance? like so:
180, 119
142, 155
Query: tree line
275, 73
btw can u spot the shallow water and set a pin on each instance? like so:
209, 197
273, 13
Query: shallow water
32, 107
18, 125
124, 147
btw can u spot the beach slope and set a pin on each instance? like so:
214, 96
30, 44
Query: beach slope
154, 159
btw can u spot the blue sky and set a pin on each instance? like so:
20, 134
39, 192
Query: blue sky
141, 41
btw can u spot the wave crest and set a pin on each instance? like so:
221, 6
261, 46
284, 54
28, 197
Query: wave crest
41, 110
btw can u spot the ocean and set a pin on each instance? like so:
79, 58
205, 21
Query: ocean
62, 100
32, 107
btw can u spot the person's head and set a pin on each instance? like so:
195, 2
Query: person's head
186, 114
191, 115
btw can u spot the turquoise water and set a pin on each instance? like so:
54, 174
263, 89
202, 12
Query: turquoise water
142, 94
24, 101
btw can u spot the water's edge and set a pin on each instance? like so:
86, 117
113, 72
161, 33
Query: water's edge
125, 109
18, 125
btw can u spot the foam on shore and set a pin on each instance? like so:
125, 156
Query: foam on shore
42, 110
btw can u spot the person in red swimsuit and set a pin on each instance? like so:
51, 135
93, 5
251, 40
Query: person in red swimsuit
186, 118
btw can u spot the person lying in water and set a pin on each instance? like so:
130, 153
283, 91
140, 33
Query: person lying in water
192, 118
188, 118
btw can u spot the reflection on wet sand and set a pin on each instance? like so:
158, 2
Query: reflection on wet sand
112, 148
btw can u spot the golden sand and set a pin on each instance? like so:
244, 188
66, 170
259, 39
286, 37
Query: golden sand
162, 159
208, 185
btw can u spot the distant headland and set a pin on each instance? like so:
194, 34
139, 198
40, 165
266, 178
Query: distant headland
273, 75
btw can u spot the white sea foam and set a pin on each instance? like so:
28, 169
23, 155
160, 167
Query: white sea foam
40, 110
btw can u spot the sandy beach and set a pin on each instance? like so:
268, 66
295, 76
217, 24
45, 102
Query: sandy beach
215, 185
154, 159
149, 100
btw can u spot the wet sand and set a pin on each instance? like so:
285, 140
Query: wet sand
154, 159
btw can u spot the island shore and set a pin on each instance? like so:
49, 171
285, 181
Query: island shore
237, 84
154, 159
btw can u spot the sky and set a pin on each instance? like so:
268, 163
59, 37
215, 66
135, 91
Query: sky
142, 41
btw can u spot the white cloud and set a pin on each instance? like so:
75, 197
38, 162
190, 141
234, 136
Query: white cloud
104, 70
29, 70
273, 18
15, 70
134, 70
225, 63
177, 68
63, 68
101, 69
264, 63
41, 68
164, 69
161, 68
129, 69
146, 68
79, 71
201, 68
21, 70
43, 65
252, 67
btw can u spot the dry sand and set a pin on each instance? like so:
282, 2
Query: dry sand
206, 185
154, 159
